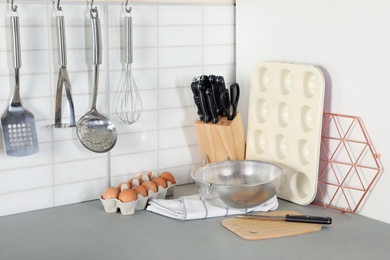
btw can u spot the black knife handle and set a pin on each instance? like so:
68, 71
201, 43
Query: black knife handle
309, 219
216, 93
222, 87
203, 102
234, 97
212, 106
226, 105
195, 91
205, 80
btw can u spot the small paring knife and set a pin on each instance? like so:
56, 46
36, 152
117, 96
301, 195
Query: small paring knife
293, 218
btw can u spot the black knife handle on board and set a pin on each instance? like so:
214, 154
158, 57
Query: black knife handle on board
203, 102
212, 106
195, 91
309, 219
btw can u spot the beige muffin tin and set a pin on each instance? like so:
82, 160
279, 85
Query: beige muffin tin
284, 124
129, 208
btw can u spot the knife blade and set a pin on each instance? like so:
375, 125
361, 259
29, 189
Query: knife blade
293, 218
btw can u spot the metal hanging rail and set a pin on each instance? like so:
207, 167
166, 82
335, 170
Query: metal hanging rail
160, 1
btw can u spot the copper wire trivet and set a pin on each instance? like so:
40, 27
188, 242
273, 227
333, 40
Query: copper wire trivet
348, 163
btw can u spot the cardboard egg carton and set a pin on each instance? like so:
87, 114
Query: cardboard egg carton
112, 205
129, 208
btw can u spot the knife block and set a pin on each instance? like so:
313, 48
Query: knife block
221, 140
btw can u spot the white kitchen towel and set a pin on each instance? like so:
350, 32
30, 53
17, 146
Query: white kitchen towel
195, 207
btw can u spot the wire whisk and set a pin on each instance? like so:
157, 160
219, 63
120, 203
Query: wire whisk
128, 104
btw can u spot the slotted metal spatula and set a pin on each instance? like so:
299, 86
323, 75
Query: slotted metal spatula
19, 130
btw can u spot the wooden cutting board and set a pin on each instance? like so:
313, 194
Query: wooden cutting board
255, 229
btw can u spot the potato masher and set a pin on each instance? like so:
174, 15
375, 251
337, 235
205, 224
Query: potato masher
63, 78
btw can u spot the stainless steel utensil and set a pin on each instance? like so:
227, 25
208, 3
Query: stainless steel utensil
292, 218
128, 102
238, 184
63, 78
95, 131
19, 130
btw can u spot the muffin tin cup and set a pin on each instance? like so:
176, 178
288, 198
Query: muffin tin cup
284, 124
129, 208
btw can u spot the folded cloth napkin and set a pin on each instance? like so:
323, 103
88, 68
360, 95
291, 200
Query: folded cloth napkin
195, 207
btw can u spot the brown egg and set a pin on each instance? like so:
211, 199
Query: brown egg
139, 189
167, 176
119, 187
139, 177
127, 195
149, 185
160, 182
130, 183
111, 193
150, 175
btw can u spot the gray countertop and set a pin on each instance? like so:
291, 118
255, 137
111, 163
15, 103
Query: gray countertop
86, 231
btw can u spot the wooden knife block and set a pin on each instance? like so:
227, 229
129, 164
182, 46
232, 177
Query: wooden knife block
221, 140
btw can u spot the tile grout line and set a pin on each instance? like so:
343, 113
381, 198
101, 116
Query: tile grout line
203, 32
107, 83
51, 76
158, 88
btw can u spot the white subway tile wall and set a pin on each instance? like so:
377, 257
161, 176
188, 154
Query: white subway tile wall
172, 44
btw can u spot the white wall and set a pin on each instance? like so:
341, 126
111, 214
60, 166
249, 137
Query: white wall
172, 44
350, 41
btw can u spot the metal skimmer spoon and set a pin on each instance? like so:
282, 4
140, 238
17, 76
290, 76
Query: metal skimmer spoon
95, 131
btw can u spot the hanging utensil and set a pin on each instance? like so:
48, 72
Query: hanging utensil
63, 78
19, 130
128, 103
95, 131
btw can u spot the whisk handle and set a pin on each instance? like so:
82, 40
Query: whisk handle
129, 38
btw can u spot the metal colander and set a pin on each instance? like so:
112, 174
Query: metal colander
238, 184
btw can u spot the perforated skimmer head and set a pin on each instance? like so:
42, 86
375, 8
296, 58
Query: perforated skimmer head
238, 184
